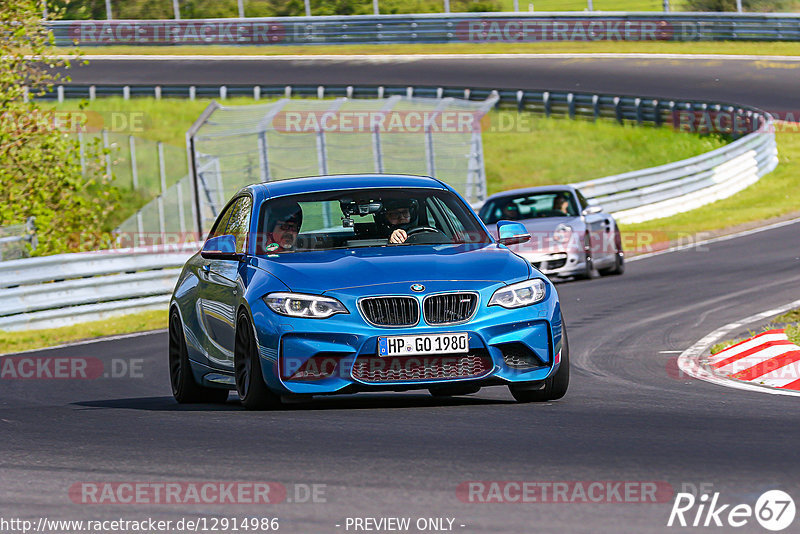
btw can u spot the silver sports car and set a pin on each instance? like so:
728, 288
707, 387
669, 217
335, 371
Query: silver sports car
569, 237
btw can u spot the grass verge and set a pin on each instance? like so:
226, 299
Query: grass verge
789, 321
774, 196
11, 342
572, 47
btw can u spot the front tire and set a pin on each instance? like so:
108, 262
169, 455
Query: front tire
253, 391
554, 387
184, 388
588, 260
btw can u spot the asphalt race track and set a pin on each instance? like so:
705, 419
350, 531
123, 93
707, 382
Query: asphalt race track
628, 416
771, 85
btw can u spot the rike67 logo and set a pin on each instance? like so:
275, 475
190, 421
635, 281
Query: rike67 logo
774, 510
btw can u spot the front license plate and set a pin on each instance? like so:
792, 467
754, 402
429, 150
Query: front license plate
423, 344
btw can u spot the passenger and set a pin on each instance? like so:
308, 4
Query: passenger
511, 212
284, 225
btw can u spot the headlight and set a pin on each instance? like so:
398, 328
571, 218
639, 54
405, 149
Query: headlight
562, 233
300, 305
519, 295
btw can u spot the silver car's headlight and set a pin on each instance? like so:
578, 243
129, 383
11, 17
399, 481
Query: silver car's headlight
520, 294
300, 305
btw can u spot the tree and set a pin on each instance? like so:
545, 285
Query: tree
40, 165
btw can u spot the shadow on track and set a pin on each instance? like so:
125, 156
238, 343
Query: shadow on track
344, 402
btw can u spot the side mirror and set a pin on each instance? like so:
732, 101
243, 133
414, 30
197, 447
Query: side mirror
512, 233
222, 247
591, 210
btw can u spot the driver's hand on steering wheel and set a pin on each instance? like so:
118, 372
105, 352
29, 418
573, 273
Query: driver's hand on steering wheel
398, 236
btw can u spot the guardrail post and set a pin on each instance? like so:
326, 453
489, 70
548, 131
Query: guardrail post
590, 5
60, 93
134, 169
375, 8
241, 8
637, 102
657, 119
618, 110
595, 107
380, 91
223, 92
92, 92
308, 7
192, 92
176, 9
571, 105
546, 103
320, 91
447, 6
157, 92
109, 15
409, 91
126, 92
287, 91
520, 101
256, 92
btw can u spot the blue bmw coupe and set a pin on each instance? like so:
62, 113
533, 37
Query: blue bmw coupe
356, 283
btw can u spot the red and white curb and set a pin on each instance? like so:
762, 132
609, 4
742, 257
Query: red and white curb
768, 359
767, 363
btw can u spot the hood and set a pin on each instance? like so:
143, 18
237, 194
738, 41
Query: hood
320, 271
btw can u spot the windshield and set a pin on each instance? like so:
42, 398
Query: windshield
529, 206
365, 218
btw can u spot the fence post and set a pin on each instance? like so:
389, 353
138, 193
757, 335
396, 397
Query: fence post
109, 16
308, 8
162, 171
181, 209
241, 9
739, 6
176, 9
590, 5
447, 6
108, 153
82, 151
375, 9
134, 169
666, 6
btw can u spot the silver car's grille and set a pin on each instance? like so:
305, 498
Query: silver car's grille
412, 368
390, 311
449, 308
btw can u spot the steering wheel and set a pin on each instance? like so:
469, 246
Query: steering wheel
420, 229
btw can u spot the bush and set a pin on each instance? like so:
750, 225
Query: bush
40, 165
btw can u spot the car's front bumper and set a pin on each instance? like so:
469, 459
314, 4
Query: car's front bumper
558, 263
324, 356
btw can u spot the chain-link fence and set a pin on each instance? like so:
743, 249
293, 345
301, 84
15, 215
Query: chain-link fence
239, 145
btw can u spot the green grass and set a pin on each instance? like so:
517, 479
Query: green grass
622, 47
557, 151
36, 339
789, 321
775, 195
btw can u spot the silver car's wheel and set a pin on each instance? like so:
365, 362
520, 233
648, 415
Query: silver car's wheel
253, 391
184, 388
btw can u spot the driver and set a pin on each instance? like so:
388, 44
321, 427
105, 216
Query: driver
283, 226
398, 215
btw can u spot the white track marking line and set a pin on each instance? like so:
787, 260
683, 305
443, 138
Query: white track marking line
713, 240
90, 341
415, 57
690, 361
670, 351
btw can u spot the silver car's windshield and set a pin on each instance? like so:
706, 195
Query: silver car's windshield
529, 206
365, 218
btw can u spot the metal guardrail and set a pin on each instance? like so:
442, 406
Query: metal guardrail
436, 28
25, 233
63, 289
